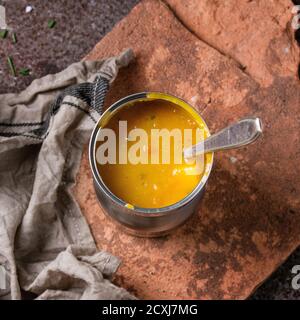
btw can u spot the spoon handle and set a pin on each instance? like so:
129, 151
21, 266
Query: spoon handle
237, 135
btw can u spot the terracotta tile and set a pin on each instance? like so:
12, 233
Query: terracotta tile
257, 34
249, 220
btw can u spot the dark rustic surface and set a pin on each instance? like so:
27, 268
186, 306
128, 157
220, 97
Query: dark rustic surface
81, 24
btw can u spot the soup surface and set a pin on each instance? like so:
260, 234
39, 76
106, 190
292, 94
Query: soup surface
150, 185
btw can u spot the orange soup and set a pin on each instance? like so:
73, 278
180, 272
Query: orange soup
152, 185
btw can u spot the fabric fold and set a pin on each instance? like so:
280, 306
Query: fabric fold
45, 243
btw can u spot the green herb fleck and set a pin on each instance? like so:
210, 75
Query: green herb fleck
143, 176
24, 72
51, 23
14, 37
3, 33
11, 66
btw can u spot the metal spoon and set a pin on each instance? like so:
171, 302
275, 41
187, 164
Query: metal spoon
237, 135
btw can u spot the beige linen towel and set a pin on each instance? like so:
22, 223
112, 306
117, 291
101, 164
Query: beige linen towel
46, 247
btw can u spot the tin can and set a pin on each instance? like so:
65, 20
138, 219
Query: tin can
146, 222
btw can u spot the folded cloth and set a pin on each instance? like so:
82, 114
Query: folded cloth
46, 247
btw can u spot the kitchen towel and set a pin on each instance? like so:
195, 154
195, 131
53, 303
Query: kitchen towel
46, 247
